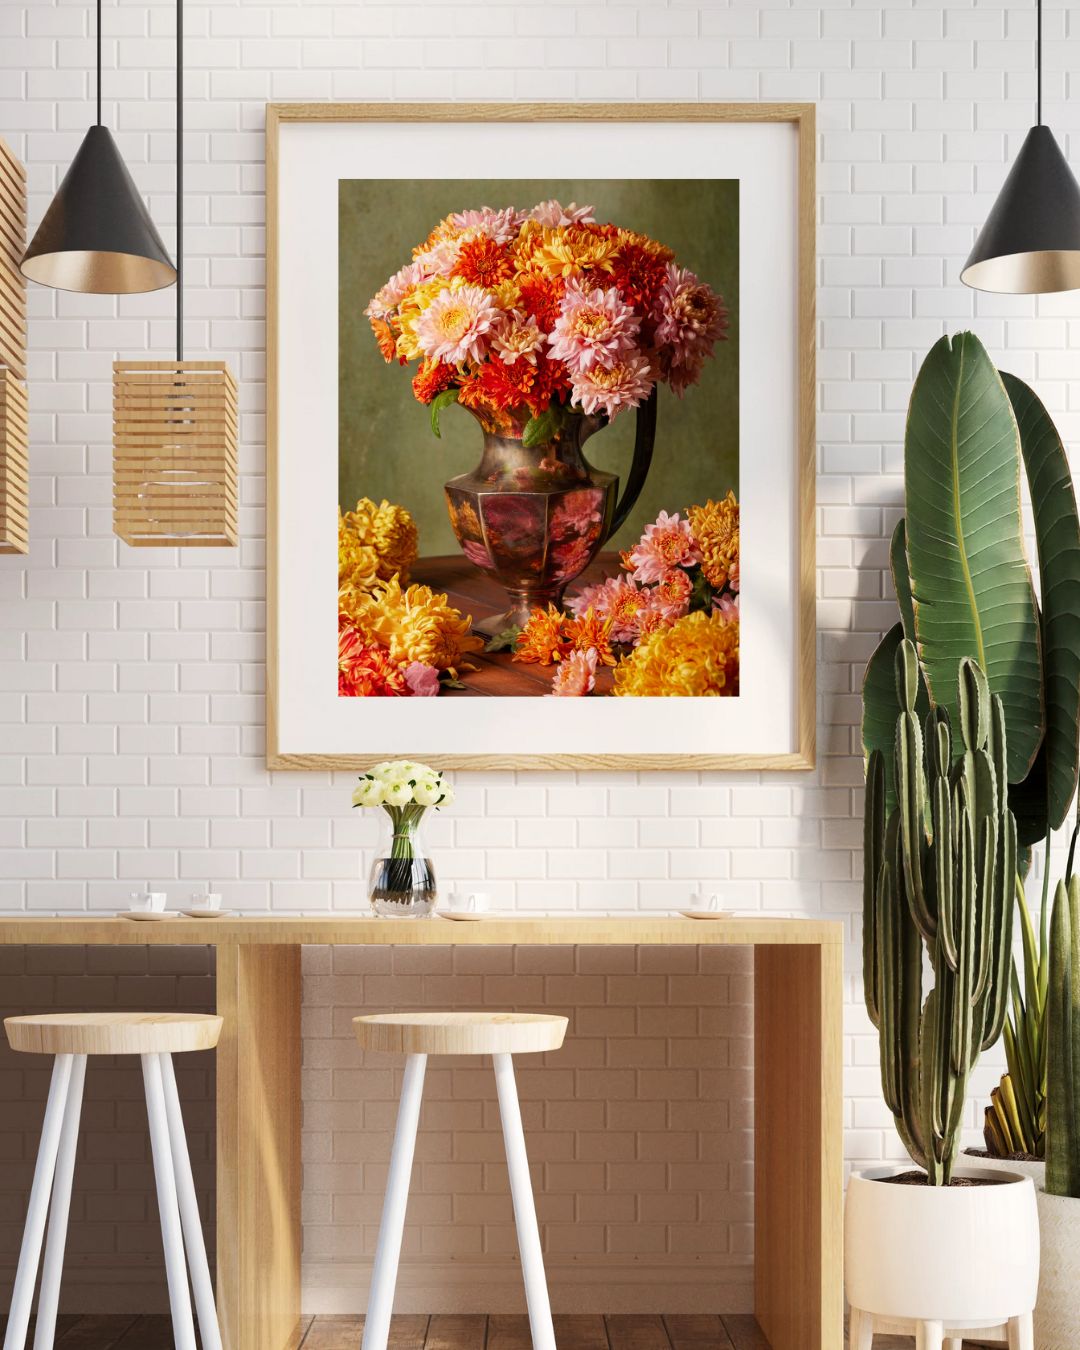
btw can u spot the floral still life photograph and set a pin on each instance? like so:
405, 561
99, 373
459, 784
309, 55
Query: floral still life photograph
480, 552
401, 882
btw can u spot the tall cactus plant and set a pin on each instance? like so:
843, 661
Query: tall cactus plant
940, 870
1063, 1048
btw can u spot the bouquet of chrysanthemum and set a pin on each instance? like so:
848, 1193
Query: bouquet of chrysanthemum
401, 873
522, 315
678, 568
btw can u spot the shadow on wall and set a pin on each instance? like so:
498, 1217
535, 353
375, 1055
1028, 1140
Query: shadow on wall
113, 1260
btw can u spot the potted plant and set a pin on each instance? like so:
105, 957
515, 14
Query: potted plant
942, 1248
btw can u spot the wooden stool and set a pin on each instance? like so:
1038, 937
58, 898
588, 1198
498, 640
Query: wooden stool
155, 1038
417, 1035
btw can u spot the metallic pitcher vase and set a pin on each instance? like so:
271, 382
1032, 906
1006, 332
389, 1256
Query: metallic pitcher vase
534, 518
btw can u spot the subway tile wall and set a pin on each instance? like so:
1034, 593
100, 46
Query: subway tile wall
131, 704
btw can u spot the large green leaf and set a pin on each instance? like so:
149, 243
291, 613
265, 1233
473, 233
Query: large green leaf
1057, 532
881, 707
901, 580
970, 582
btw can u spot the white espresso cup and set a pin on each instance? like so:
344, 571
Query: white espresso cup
141, 901
206, 900
474, 902
710, 903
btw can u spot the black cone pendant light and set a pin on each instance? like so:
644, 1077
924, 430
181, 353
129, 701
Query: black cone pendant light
1030, 244
97, 235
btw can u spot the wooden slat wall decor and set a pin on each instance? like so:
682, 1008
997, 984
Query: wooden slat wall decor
174, 453
14, 413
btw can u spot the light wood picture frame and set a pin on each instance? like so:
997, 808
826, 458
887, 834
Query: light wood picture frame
305, 727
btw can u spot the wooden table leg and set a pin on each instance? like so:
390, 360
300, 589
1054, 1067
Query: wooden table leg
258, 1146
798, 1146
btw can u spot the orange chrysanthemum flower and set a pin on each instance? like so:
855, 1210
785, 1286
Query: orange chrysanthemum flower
544, 639
697, 657
482, 262
384, 336
715, 528
365, 669
638, 274
541, 297
431, 379
590, 632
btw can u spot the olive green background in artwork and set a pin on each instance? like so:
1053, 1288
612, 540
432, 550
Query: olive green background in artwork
386, 448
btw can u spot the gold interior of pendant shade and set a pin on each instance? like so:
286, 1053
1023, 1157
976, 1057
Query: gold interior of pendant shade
1036, 273
175, 453
14, 465
98, 273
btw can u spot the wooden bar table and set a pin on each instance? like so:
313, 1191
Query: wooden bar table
798, 1184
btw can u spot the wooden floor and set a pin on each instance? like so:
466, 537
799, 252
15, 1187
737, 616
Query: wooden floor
459, 1333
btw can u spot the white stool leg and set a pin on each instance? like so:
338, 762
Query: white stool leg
929, 1335
1021, 1333
860, 1330
209, 1331
22, 1295
517, 1164
392, 1226
171, 1233
52, 1268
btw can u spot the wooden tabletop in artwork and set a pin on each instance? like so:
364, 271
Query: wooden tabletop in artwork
471, 591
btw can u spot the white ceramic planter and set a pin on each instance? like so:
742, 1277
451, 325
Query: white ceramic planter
941, 1260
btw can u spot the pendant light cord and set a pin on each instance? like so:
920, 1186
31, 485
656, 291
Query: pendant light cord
1038, 62
99, 62
179, 180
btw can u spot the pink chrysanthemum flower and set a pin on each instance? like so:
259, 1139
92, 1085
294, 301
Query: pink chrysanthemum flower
387, 299
552, 214
456, 325
611, 389
575, 675
667, 543
690, 319
422, 680
594, 328
500, 225
617, 598
670, 596
439, 260
517, 338
727, 606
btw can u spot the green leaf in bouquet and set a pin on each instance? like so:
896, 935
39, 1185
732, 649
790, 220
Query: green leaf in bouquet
438, 403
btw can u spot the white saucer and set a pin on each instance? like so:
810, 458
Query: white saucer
465, 915
706, 913
206, 913
145, 915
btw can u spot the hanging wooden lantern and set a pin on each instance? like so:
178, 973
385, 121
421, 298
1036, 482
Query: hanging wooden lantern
174, 453
14, 412
14, 465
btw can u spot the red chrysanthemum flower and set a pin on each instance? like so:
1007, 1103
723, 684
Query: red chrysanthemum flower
551, 384
365, 669
541, 297
638, 275
431, 379
506, 386
482, 262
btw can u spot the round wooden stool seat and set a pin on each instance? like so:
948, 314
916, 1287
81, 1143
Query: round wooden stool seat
113, 1033
460, 1033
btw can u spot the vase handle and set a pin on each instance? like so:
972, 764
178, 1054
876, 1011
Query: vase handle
644, 440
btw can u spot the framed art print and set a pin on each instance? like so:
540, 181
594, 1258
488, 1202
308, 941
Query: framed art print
541, 435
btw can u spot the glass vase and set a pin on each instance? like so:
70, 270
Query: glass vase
401, 884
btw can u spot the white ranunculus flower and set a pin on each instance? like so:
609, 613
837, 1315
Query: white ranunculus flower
399, 793
448, 794
370, 793
427, 792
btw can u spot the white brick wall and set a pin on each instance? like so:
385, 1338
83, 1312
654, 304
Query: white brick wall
131, 709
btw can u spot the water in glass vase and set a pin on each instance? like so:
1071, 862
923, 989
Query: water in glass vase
401, 883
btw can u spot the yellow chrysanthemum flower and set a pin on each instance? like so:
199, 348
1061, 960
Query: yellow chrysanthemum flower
567, 251
414, 625
715, 527
697, 657
409, 311
375, 543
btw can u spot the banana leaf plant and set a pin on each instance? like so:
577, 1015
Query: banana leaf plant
964, 589
964, 586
